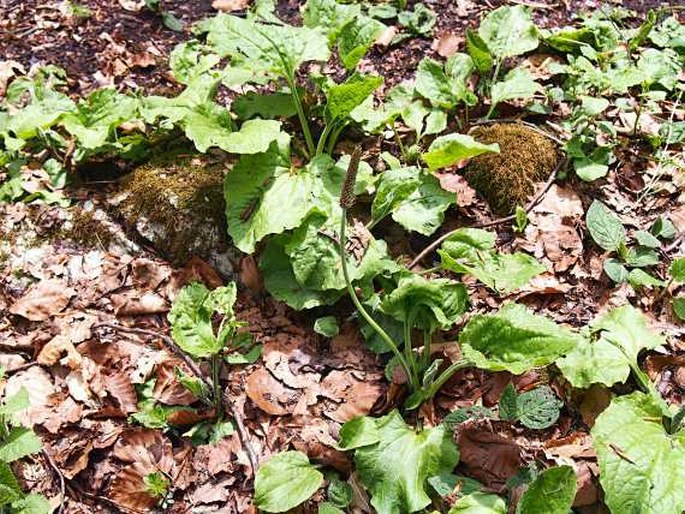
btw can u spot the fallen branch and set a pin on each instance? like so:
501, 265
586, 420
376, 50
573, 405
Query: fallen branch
62, 481
242, 432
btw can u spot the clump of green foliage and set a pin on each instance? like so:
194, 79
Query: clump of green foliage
507, 179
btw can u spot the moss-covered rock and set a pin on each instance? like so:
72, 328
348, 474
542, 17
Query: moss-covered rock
178, 206
508, 179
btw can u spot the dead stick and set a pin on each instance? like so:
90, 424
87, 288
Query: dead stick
498, 221
62, 482
242, 433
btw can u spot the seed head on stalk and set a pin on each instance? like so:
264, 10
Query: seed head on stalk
347, 193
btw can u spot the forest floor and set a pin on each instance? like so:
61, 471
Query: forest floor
83, 301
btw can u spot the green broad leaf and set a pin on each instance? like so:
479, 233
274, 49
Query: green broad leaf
592, 106
330, 16
605, 227
98, 115
269, 105
339, 493
191, 318
193, 384
659, 67
479, 503
254, 137
598, 362
420, 21
471, 251
20, 443
518, 83
285, 481
15, 403
664, 228
9, 485
258, 187
639, 278
629, 329
448, 150
509, 31
342, 99
679, 307
445, 88
623, 332
395, 469
244, 358
514, 340
538, 408
640, 464
570, 40
552, 492
615, 270
394, 186
329, 508
359, 432
508, 407
588, 170
427, 304
641, 257
356, 38
650, 241
280, 281
276, 49
670, 34
677, 270
31, 504
191, 59
423, 211
327, 326
521, 220
463, 414
39, 115
479, 52
447, 483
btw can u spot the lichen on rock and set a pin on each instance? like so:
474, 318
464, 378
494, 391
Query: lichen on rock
508, 179
177, 205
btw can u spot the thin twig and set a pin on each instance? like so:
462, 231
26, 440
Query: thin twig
62, 482
538, 197
169, 342
242, 432
675, 244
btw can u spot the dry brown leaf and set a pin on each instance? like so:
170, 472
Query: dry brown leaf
52, 353
456, 183
250, 275
148, 274
489, 457
38, 383
132, 303
43, 300
132, 5
168, 390
356, 397
447, 44
230, 5
119, 387
269, 394
129, 490
387, 36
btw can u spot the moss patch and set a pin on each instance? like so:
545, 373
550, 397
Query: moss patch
86, 229
178, 206
508, 179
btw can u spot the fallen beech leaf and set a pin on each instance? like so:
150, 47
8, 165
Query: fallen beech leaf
52, 353
387, 36
43, 300
128, 489
38, 383
447, 44
456, 183
168, 390
250, 275
489, 457
134, 304
230, 5
269, 394
148, 274
119, 387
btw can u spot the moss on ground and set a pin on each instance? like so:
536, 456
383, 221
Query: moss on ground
181, 201
508, 179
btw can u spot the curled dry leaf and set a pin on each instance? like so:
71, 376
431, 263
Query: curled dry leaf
447, 44
132, 303
132, 5
356, 397
43, 300
168, 390
269, 394
57, 347
230, 5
